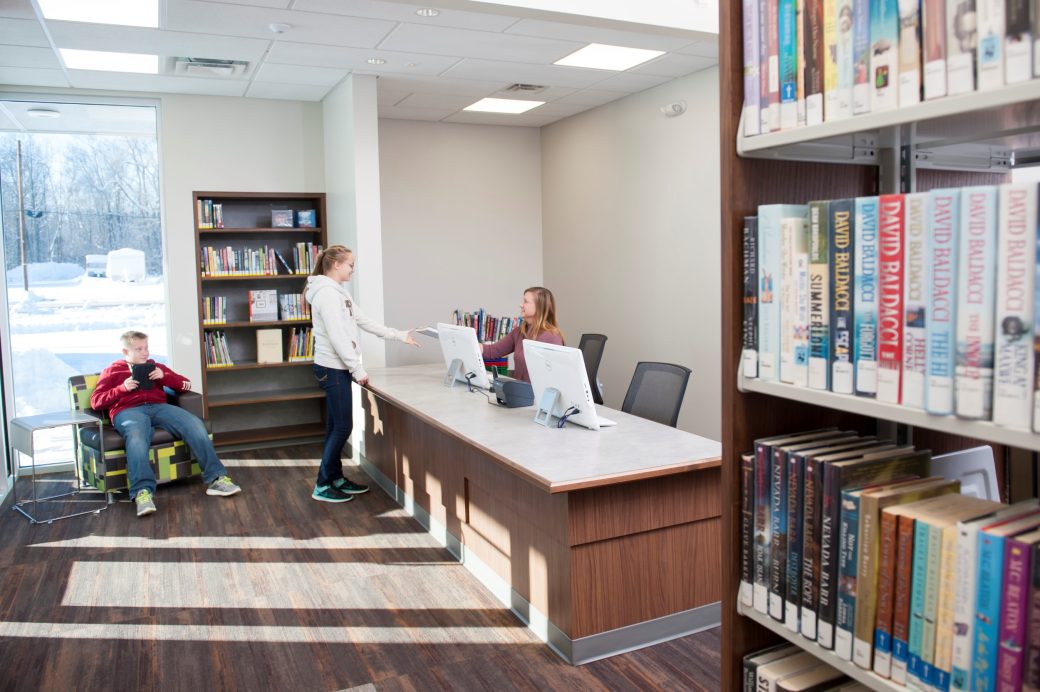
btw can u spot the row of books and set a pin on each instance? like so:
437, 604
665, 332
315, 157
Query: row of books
262, 261
292, 306
854, 544
217, 353
488, 328
301, 344
810, 61
214, 310
266, 305
924, 299
208, 214
787, 668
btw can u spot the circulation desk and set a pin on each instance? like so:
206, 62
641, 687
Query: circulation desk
601, 541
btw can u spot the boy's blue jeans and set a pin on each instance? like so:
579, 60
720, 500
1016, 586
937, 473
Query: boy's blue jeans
339, 420
135, 425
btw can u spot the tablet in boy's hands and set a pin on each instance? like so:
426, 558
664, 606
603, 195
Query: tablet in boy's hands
141, 372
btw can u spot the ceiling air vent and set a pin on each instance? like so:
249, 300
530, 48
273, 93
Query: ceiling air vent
209, 67
524, 88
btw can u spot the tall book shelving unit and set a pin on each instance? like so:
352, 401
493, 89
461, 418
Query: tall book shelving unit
252, 402
963, 140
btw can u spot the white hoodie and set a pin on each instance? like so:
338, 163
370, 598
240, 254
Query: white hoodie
336, 320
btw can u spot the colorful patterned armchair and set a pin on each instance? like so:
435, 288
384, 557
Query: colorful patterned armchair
170, 457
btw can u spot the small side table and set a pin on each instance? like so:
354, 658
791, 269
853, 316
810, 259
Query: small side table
21, 432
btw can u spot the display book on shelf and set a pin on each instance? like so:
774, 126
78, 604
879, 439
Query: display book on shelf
750, 408
254, 323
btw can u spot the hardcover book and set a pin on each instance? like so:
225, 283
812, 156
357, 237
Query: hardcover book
960, 47
788, 53
281, 218
819, 296
263, 305
269, 346
750, 324
759, 658
771, 105
865, 289
989, 16
306, 218
884, 54
1016, 269
933, 16
769, 232
841, 317
843, 56
976, 298
831, 111
1018, 564
812, 16
909, 52
747, 529
943, 223
794, 259
890, 298
915, 301
861, 86
752, 123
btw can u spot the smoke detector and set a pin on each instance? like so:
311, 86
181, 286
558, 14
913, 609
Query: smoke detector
208, 67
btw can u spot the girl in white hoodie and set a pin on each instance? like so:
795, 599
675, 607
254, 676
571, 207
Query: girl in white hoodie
337, 358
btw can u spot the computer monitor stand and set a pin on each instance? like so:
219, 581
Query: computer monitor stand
454, 370
546, 406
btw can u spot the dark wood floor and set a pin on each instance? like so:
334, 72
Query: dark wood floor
277, 592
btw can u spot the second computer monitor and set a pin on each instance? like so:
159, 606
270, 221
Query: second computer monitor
460, 344
563, 369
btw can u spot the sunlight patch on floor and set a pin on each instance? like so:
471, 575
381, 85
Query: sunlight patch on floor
370, 542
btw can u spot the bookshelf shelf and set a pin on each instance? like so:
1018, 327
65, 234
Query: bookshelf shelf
865, 406
945, 117
251, 402
868, 678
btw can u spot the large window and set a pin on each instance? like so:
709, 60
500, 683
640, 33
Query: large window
82, 247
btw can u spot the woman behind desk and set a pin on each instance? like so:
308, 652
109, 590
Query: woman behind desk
539, 323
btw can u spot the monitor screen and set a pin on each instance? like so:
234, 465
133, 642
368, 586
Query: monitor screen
563, 369
460, 343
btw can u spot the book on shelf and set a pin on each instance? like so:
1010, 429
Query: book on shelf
884, 54
218, 355
263, 305
306, 218
794, 306
218, 215
752, 94
819, 297
812, 61
301, 344
282, 218
753, 660
487, 327
749, 353
989, 18
770, 56
943, 220
909, 52
861, 72
293, 306
787, 26
960, 49
204, 214
816, 679
865, 303
842, 232
269, 346
933, 48
915, 307
214, 310
285, 265
1022, 19
891, 230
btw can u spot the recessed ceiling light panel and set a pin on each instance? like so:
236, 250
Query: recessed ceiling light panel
600, 56
513, 106
120, 12
110, 62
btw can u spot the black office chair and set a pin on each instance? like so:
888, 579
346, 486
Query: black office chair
657, 392
591, 346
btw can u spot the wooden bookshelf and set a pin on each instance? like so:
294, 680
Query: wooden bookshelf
250, 402
863, 155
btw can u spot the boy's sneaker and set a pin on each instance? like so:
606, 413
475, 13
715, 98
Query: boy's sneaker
326, 493
223, 487
145, 503
345, 485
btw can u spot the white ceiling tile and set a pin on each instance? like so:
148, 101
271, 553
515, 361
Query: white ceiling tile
307, 27
400, 113
287, 92
593, 97
476, 44
29, 56
674, 65
21, 32
122, 81
631, 82
513, 72
7, 123
19, 9
357, 58
590, 34
403, 12
705, 49
453, 102
388, 97
522, 120
32, 76
130, 39
560, 110
297, 74
276, 4
441, 85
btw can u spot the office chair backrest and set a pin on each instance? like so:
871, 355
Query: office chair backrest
657, 392
591, 346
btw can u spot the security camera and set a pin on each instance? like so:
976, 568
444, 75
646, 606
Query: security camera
674, 109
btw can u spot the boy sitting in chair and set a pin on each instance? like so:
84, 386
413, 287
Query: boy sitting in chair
136, 407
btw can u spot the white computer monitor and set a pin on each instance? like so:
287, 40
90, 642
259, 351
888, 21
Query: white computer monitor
563, 368
462, 355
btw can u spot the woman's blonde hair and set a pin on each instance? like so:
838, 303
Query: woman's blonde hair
329, 257
544, 319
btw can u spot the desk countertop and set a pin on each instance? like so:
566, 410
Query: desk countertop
556, 459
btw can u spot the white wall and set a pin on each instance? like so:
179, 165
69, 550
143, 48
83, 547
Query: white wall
462, 223
233, 145
631, 236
